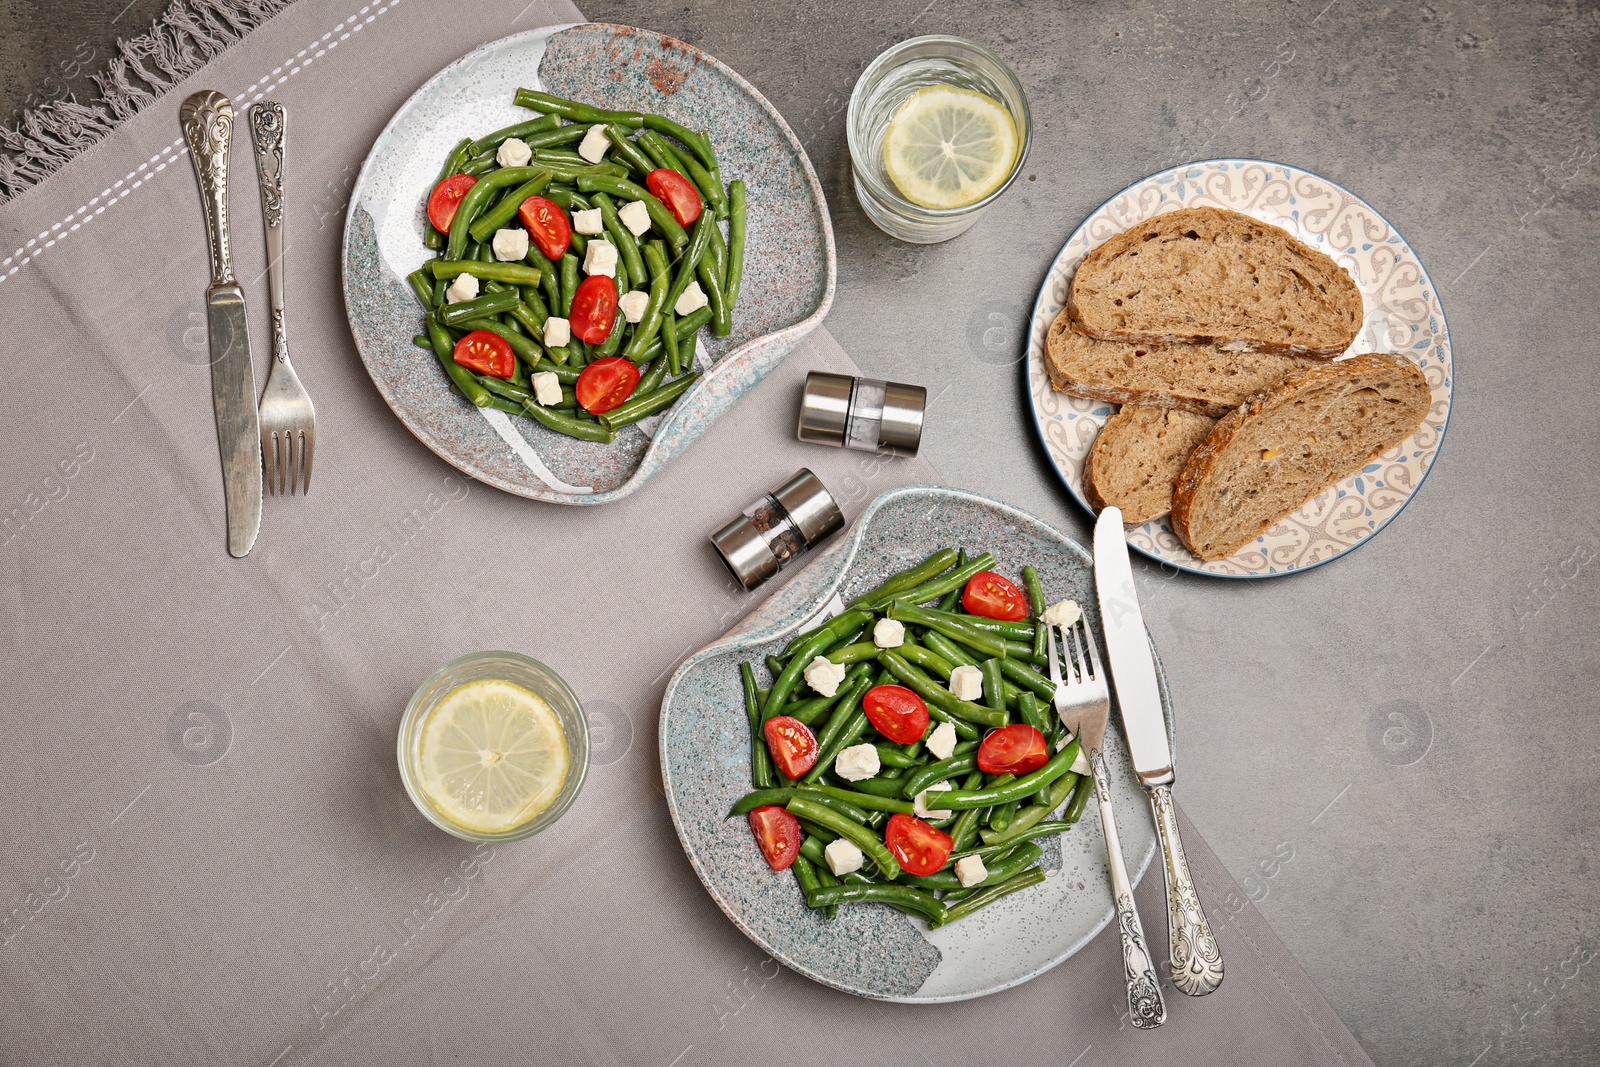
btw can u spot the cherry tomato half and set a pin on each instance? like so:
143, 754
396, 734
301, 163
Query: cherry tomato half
791, 742
605, 383
446, 197
778, 834
594, 309
920, 848
677, 192
547, 225
1014, 749
994, 597
487, 353
896, 712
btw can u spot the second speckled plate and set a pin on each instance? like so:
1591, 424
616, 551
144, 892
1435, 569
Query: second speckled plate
789, 255
871, 950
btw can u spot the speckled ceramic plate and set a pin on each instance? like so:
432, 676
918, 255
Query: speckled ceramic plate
870, 949
789, 255
1402, 315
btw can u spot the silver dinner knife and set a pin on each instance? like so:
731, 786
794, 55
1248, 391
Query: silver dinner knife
1193, 953
207, 118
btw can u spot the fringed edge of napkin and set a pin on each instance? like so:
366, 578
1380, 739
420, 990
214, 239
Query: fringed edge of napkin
187, 36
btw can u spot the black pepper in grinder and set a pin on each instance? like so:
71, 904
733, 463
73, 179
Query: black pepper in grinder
777, 528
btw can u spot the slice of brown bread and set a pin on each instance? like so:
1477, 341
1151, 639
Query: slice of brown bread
1205, 275
1283, 447
1137, 457
1199, 378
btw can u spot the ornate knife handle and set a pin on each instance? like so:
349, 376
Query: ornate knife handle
1146, 1009
1193, 953
207, 119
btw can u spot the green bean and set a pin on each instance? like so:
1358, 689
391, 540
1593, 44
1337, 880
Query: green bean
760, 758
565, 375
574, 111
806, 876
837, 626
421, 340
990, 894
549, 277
444, 348
1000, 817
798, 659
849, 734
521, 131
478, 197
698, 243
1080, 798
900, 897
761, 798
807, 711
860, 652
867, 801
699, 143
1031, 713
480, 166
1034, 814
774, 668
621, 236
994, 693
1047, 828
949, 601
1011, 631
856, 681
569, 283
965, 828
892, 755
1058, 765
686, 346
1010, 861
650, 381
659, 215
641, 407
488, 304
651, 143
506, 208
669, 339
613, 340
938, 587
1042, 687
934, 773
859, 835
645, 330
926, 659
457, 156
936, 695
736, 235
508, 273
813, 849
711, 282
978, 640
908, 579
627, 150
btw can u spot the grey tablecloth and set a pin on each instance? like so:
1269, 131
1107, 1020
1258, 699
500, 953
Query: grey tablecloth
209, 857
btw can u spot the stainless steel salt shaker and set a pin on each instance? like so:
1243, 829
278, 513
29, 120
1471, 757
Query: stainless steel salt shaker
862, 413
777, 528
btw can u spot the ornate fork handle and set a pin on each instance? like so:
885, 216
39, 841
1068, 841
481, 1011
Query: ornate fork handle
268, 122
1146, 1009
207, 119
1193, 952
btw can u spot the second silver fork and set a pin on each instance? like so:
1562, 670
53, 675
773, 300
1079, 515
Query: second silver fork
1083, 701
288, 420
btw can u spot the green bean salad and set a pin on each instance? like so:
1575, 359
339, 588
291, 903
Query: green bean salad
578, 255
904, 752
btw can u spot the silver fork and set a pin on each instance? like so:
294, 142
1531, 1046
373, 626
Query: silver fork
287, 417
1083, 700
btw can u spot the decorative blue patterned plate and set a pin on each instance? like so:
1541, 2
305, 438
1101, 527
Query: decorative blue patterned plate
869, 949
789, 254
1403, 315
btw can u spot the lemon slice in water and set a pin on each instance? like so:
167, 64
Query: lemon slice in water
948, 147
492, 756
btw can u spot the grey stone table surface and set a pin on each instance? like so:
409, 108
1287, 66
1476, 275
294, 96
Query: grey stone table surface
1395, 754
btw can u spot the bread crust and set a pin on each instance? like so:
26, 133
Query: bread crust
1068, 374
1328, 333
1207, 458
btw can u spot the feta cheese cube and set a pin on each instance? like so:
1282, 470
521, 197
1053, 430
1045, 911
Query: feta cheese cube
920, 804
966, 682
635, 216
465, 287
889, 633
546, 388
942, 741
595, 144
1080, 765
557, 332
691, 300
601, 259
633, 304
510, 244
1062, 613
589, 221
970, 870
824, 675
513, 152
843, 857
857, 763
